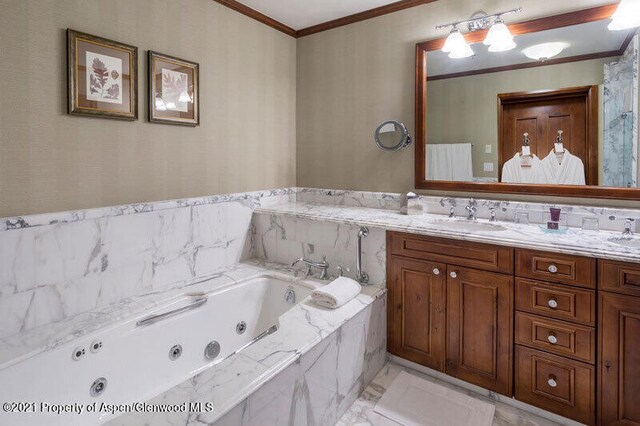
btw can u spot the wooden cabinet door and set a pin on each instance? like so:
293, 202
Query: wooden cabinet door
619, 360
480, 328
416, 311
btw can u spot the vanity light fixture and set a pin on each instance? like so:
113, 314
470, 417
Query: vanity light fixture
626, 16
499, 38
544, 51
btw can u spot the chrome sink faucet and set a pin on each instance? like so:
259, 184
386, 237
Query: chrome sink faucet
323, 266
471, 209
628, 224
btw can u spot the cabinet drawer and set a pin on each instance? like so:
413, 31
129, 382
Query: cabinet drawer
557, 268
454, 252
558, 337
556, 384
556, 301
619, 277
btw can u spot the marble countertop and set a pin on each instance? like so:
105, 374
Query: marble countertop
573, 241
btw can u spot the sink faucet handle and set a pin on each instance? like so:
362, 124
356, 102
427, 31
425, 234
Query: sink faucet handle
628, 226
452, 211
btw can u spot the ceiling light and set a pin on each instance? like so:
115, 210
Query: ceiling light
626, 16
498, 33
456, 45
502, 46
544, 51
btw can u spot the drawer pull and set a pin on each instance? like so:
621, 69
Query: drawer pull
553, 269
436, 271
452, 274
553, 303
552, 381
552, 339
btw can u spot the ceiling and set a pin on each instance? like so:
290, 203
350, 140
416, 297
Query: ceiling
302, 14
584, 39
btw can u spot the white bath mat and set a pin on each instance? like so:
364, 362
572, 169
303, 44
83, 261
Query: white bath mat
412, 401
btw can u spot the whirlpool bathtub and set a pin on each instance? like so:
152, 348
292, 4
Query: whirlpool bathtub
92, 379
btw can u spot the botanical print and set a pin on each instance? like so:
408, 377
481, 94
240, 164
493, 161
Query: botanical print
174, 90
105, 78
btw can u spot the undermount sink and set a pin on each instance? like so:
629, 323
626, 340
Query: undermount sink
626, 241
470, 225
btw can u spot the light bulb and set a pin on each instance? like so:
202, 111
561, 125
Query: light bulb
626, 16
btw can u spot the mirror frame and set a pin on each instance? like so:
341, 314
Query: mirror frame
542, 24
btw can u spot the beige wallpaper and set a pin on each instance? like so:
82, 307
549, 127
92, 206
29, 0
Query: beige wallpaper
464, 109
50, 161
353, 77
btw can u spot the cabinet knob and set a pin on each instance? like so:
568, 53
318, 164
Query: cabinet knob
553, 269
552, 381
452, 274
553, 303
436, 271
552, 339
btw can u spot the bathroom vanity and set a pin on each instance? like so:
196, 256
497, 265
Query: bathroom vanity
556, 331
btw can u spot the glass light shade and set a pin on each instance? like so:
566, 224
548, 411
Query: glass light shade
498, 34
461, 51
626, 16
544, 51
453, 41
502, 46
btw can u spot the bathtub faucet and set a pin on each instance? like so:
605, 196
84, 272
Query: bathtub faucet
322, 266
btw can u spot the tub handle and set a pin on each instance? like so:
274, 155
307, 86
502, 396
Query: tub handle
154, 318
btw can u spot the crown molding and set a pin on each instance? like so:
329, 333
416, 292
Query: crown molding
335, 23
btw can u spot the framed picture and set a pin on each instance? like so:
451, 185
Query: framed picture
102, 77
173, 90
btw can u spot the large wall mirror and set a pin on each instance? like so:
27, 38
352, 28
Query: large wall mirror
560, 118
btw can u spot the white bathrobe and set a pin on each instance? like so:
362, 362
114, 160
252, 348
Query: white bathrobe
568, 172
514, 172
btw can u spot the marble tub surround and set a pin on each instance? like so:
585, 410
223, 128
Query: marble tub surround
573, 241
308, 372
284, 238
59, 265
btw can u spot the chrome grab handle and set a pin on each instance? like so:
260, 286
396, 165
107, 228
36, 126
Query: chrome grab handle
154, 318
436, 271
552, 303
553, 269
552, 339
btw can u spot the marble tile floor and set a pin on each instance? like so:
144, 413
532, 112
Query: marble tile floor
361, 412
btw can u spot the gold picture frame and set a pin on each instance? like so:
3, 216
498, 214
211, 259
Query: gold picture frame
173, 90
102, 77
